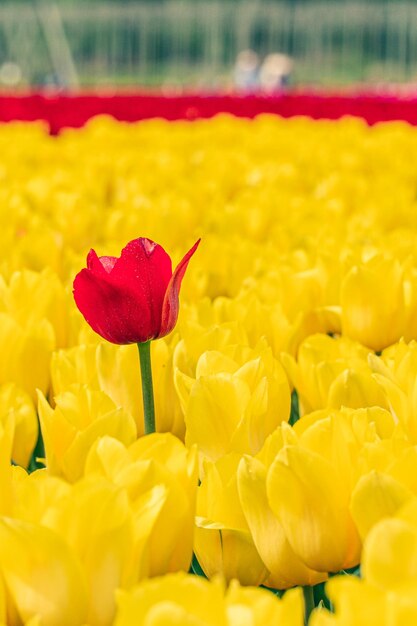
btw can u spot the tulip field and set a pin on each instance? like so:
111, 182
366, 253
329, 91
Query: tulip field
267, 270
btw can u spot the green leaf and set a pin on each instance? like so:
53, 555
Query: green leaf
295, 408
196, 568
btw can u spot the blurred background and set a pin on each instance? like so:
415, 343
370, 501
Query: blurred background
207, 44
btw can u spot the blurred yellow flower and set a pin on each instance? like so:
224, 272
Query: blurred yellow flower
387, 593
372, 299
332, 372
181, 599
41, 575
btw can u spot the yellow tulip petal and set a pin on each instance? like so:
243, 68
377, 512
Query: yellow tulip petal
390, 555
306, 495
25, 421
285, 567
184, 596
117, 424
41, 574
229, 553
355, 602
260, 607
356, 390
216, 405
373, 304
376, 496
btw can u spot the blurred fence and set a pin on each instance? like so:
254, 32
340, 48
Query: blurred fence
196, 43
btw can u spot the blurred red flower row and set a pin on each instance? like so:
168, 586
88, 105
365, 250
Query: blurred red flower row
62, 110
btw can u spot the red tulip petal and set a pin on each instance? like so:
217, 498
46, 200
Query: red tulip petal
171, 304
104, 307
144, 270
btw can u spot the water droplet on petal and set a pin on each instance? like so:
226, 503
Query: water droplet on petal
148, 246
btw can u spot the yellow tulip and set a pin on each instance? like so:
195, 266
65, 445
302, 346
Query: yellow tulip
73, 367
93, 523
131, 516
115, 371
356, 389
37, 247
356, 604
323, 320
21, 346
372, 299
37, 496
389, 558
197, 338
386, 594
19, 404
41, 575
180, 599
300, 290
396, 372
102, 536
223, 543
71, 428
256, 318
308, 474
285, 567
332, 372
156, 460
307, 494
352, 439
31, 297
261, 607
233, 403
177, 599
389, 567
375, 497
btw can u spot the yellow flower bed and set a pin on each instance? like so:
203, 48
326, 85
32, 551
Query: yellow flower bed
285, 398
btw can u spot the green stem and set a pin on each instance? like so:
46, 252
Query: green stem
147, 387
308, 602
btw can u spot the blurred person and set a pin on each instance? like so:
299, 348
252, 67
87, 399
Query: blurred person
246, 71
10, 74
275, 72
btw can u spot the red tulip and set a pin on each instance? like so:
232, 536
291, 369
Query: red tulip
134, 298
